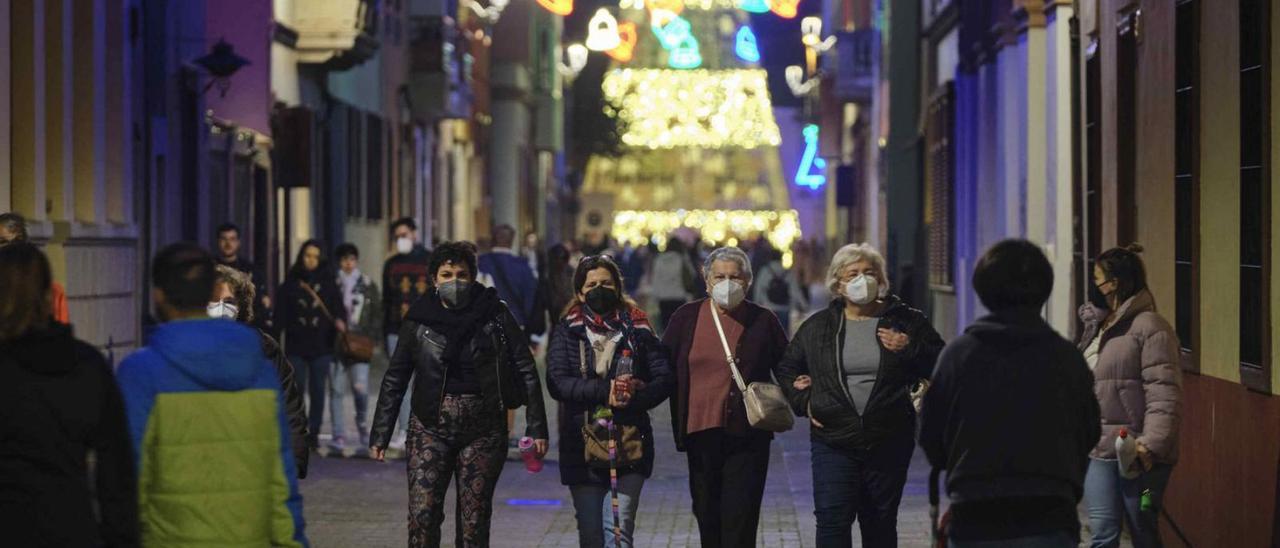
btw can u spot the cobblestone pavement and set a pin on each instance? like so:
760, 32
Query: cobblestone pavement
354, 502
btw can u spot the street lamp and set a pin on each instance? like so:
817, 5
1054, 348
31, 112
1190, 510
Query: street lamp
221, 62
802, 80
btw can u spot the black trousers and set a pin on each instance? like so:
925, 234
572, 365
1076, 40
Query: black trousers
726, 479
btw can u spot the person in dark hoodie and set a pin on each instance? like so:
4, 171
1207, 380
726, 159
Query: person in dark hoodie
58, 402
850, 369
469, 363
207, 421
309, 314
233, 298
1011, 414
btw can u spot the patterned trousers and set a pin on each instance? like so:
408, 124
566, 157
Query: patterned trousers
468, 442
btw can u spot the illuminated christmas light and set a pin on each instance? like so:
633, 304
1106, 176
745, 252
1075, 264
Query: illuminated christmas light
754, 6
673, 6
716, 227
603, 31
685, 55
746, 46
628, 34
811, 27
810, 161
670, 29
693, 108
558, 7
703, 5
786, 9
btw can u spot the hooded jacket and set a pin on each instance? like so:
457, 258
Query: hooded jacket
60, 401
816, 351
207, 421
1137, 379
1011, 415
497, 348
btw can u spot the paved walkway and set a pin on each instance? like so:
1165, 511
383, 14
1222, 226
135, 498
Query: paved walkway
360, 503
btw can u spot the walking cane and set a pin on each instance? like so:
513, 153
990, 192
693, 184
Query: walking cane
613, 485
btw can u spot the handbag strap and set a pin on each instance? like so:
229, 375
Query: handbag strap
319, 301
728, 354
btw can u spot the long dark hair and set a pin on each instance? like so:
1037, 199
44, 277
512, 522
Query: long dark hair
1124, 265
298, 270
25, 279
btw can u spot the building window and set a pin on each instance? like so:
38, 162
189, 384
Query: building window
1087, 209
1255, 178
939, 186
1187, 178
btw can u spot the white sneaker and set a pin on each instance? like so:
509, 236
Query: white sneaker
397, 442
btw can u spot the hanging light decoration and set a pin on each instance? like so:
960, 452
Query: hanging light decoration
685, 55
797, 82
754, 6
626, 49
811, 27
746, 46
693, 108
786, 9
810, 161
673, 6
671, 30
558, 7
602, 31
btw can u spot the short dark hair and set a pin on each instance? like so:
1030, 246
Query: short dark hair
587, 264
1013, 273
185, 273
457, 253
347, 249
15, 223
1124, 265
25, 279
504, 236
227, 227
403, 221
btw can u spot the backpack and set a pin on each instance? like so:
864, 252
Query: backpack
778, 291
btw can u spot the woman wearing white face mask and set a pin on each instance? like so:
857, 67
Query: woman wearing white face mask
728, 459
850, 369
233, 296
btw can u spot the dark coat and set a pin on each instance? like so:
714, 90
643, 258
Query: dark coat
759, 352
504, 368
817, 351
405, 278
58, 402
579, 396
1011, 412
306, 330
293, 408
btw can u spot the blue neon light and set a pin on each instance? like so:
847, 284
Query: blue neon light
673, 33
686, 55
746, 46
810, 161
533, 502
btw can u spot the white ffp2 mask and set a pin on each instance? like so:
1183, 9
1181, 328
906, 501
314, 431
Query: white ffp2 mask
862, 289
404, 245
728, 294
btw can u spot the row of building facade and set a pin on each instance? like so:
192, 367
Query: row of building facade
122, 131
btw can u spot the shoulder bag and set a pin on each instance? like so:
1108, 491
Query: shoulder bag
352, 347
595, 436
767, 406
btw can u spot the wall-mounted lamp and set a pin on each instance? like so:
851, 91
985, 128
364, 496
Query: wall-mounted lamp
221, 62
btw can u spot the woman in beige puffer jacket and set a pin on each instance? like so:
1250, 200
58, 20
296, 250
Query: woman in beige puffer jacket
1133, 352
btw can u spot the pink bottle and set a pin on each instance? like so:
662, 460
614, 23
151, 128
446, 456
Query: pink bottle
532, 463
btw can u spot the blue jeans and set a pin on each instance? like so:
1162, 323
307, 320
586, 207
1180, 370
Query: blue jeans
1059, 539
593, 506
311, 375
402, 424
863, 486
353, 378
1112, 500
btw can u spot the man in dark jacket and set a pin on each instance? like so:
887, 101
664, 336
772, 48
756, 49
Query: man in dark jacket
503, 269
405, 278
229, 254
1011, 413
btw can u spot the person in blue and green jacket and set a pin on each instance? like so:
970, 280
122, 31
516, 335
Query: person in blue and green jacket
207, 421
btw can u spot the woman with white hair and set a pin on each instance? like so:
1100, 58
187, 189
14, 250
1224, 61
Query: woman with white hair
851, 369
728, 459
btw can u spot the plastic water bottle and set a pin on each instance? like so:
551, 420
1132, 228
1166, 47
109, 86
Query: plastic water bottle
532, 463
625, 371
1126, 452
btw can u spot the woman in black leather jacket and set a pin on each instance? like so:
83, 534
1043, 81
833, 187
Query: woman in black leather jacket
470, 363
851, 369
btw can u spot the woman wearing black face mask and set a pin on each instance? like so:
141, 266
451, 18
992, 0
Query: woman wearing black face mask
588, 373
469, 363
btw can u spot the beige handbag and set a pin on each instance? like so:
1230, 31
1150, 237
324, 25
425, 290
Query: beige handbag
767, 406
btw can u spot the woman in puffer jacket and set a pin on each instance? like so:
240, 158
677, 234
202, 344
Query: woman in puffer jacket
1133, 352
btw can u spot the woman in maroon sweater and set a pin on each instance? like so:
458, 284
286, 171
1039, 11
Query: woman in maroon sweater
728, 459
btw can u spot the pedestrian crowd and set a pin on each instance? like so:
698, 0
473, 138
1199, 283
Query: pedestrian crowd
200, 437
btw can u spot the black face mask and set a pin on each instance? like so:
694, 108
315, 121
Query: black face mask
1097, 297
603, 300
455, 293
